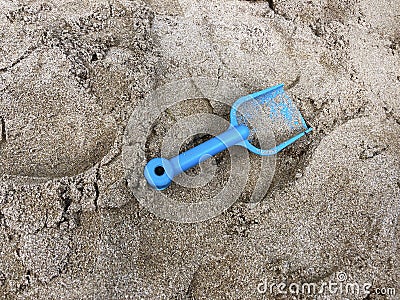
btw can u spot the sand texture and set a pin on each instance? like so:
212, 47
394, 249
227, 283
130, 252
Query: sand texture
72, 73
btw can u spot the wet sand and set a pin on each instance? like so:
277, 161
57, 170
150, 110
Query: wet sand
73, 72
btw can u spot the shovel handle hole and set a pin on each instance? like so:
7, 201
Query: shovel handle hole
159, 171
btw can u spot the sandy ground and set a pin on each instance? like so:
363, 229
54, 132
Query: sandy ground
71, 74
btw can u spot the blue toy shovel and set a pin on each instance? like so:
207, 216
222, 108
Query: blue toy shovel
269, 113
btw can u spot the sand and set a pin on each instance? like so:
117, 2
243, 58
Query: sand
72, 73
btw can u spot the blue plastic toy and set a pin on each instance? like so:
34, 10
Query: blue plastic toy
269, 111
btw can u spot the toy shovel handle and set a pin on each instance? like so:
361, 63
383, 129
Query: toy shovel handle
159, 172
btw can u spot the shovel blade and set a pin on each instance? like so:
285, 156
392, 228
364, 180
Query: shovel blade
273, 119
